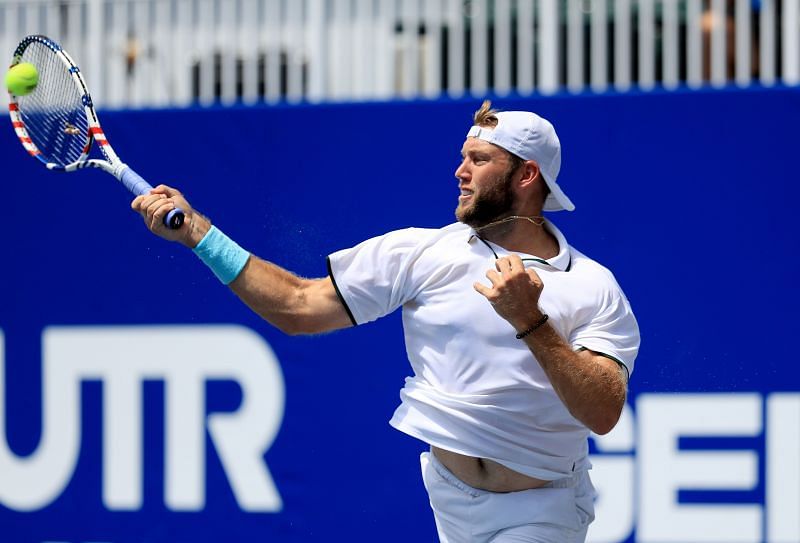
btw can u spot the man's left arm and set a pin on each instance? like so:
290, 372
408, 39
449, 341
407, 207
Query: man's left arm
592, 386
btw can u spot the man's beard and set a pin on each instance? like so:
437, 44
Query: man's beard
488, 206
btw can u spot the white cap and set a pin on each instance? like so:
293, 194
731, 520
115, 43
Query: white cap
530, 137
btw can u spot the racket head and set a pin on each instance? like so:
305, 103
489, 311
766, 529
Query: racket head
54, 121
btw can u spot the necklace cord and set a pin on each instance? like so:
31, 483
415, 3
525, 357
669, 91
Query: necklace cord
536, 220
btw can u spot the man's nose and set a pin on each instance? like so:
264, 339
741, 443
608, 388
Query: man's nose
461, 170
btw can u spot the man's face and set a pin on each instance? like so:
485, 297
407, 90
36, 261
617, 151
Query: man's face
485, 181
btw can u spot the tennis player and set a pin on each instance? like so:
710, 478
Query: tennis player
520, 345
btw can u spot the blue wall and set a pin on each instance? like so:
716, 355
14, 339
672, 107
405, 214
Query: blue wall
690, 198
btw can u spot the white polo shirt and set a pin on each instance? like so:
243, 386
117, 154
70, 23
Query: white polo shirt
476, 389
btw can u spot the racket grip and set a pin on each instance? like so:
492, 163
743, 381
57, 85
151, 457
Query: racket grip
137, 185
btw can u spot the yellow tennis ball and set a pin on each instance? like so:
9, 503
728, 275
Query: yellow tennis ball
22, 79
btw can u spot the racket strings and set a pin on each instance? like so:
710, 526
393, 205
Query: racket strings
54, 115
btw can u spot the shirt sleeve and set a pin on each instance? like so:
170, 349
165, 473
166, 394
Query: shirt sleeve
612, 331
374, 278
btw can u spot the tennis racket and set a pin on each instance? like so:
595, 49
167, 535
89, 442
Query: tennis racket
57, 123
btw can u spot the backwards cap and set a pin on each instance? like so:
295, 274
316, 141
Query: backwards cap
530, 137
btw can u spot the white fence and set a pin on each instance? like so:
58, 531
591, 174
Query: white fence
157, 53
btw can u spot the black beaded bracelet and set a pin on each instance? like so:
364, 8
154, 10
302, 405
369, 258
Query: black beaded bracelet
534, 327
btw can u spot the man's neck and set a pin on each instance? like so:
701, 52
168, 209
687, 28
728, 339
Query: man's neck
522, 236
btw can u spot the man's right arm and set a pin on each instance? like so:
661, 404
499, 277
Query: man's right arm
293, 304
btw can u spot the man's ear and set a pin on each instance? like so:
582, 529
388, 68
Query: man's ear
530, 171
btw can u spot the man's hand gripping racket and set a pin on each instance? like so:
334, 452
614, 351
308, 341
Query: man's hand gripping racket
57, 123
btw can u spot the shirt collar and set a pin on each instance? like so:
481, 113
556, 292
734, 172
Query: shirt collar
562, 261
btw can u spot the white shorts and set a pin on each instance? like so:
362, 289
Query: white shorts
559, 512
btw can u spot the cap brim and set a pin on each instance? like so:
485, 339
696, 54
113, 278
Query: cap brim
557, 200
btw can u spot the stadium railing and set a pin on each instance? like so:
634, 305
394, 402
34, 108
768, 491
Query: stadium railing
168, 53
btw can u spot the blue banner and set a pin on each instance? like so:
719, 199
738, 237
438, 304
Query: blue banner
140, 401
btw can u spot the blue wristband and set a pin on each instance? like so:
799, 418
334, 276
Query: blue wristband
223, 255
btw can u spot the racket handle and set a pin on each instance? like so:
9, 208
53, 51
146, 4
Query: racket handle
137, 185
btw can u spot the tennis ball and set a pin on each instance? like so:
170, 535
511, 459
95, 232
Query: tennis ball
22, 79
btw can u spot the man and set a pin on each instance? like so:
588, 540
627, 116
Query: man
520, 344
